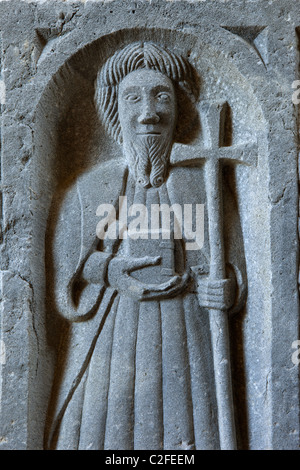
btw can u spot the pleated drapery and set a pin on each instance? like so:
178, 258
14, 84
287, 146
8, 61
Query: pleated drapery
149, 383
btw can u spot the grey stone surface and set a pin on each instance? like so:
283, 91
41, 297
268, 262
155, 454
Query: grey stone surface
149, 343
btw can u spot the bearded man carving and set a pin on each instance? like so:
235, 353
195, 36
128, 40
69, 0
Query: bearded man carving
137, 371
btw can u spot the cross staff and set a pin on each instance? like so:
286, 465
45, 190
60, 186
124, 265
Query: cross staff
219, 318
214, 155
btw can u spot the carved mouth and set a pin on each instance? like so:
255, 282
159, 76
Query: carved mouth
148, 133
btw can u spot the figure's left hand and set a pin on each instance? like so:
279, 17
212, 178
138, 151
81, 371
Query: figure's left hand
218, 295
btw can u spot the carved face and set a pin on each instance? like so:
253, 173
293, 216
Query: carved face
147, 105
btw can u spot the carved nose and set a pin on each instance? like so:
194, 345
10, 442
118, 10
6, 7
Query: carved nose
148, 118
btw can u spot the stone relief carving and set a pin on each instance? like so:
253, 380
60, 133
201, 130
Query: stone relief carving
53, 149
2, 101
147, 360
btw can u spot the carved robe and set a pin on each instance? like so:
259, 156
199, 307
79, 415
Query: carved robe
135, 375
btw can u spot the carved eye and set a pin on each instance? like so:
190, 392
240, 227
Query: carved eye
132, 97
163, 97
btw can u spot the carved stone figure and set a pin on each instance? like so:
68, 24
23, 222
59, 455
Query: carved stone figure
137, 369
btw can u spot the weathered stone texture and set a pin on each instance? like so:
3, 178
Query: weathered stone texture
245, 55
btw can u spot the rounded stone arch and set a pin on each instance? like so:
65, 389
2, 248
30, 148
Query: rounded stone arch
69, 140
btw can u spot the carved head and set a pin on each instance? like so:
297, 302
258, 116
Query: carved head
139, 96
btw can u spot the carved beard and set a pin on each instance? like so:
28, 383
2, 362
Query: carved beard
148, 158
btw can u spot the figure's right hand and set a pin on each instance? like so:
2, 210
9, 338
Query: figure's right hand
119, 277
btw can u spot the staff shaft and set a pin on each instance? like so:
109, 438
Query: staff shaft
219, 318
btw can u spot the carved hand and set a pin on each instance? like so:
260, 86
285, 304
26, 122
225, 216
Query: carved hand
119, 270
219, 295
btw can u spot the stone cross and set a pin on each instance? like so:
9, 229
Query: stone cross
214, 154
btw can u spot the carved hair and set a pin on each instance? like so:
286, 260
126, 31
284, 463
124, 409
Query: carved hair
129, 59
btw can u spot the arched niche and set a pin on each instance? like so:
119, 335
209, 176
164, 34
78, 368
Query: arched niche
69, 140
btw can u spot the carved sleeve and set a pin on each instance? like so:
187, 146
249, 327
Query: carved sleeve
79, 270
